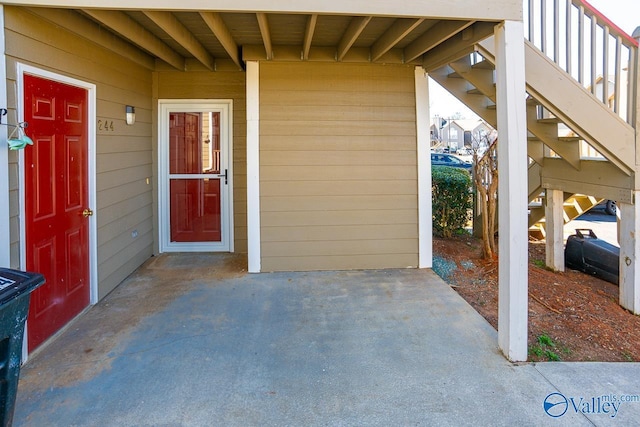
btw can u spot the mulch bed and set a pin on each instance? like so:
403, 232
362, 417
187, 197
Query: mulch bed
572, 316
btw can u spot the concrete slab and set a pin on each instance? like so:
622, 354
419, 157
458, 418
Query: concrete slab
193, 340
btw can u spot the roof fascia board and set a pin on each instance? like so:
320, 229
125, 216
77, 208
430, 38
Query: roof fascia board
494, 10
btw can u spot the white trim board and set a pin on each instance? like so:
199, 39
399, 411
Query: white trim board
253, 167
5, 211
425, 204
496, 10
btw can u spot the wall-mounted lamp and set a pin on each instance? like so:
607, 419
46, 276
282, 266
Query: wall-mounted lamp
131, 115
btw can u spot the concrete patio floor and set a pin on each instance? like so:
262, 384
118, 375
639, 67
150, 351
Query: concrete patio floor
191, 340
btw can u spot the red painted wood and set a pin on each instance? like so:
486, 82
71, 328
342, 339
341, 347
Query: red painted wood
194, 203
195, 210
57, 234
604, 20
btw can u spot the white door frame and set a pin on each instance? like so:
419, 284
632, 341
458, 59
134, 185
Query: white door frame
225, 108
23, 69
5, 211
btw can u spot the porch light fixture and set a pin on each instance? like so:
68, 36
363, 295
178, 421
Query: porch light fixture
131, 115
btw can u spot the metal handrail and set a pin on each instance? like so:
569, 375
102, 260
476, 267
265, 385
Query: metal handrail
588, 46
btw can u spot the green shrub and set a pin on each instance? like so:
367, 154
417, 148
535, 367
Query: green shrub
451, 199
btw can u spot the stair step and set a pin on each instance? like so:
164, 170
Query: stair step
537, 231
560, 138
550, 120
569, 138
454, 75
474, 91
485, 65
574, 205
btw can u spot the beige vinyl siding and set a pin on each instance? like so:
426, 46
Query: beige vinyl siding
218, 85
338, 167
123, 155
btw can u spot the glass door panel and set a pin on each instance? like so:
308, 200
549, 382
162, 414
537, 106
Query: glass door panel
195, 210
195, 177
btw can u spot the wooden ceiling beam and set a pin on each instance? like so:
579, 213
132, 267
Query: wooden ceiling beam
437, 34
308, 35
263, 23
217, 26
458, 46
84, 27
122, 24
399, 30
174, 28
355, 28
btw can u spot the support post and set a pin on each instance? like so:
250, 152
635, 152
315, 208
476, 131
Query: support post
253, 167
512, 191
629, 279
425, 206
629, 215
554, 226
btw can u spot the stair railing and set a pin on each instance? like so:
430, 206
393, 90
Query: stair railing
588, 46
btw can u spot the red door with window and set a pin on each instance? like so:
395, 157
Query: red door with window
194, 167
56, 203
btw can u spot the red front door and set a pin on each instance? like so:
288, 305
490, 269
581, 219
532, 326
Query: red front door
56, 196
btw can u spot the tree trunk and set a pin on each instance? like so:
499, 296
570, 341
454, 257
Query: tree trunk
493, 197
487, 167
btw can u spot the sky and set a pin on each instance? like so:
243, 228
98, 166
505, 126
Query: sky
624, 13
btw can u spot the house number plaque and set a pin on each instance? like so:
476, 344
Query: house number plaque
106, 126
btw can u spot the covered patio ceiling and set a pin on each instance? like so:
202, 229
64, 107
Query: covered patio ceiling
187, 40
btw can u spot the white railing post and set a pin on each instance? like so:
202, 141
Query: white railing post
598, 45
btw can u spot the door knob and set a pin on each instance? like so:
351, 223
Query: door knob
87, 212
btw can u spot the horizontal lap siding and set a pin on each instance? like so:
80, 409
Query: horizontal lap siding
219, 85
338, 167
123, 155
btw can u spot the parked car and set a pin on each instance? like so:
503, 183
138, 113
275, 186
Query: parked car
610, 207
444, 159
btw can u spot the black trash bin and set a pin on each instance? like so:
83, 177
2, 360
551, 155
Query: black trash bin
585, 252
15, 290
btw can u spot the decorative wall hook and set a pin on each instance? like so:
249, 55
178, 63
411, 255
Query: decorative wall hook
17, 139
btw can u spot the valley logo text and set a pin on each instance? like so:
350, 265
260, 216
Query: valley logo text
556, 404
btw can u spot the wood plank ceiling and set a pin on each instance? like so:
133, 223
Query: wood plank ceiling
178, 38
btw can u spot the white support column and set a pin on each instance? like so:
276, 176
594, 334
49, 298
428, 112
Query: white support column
425, 219
554, 226
5, 241
512, 190
629, 280
253, 166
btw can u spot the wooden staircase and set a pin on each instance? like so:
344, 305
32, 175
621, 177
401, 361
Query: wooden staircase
581, 135
574, 205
